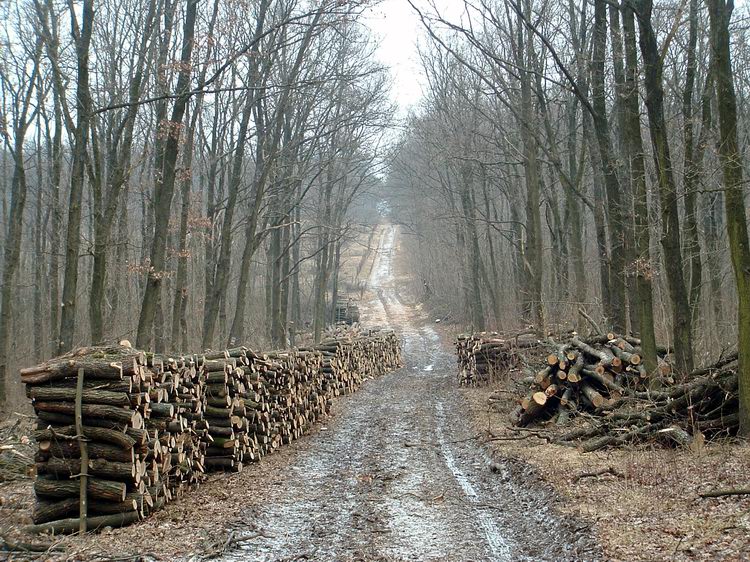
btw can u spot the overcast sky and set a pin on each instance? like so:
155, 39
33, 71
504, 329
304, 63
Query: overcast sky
398, 28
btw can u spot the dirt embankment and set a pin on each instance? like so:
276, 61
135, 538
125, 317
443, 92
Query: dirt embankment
642, 501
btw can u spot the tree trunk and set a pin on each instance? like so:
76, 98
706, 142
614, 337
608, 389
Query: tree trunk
82, 37
720, 12
611, 182
10, 257
39, 248
120, 160
531, 167
164, 186
324, 242
691, 168
220, 280
474, 274
572, 214
492, 280
55, 227
670, 221
634, 149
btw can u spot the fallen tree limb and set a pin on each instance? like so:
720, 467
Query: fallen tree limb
723, 493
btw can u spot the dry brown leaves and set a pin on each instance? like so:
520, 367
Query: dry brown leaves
644, 505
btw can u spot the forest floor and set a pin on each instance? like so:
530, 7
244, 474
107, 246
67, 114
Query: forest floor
640, 501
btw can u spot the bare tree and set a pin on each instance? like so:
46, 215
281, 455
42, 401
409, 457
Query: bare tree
720, 12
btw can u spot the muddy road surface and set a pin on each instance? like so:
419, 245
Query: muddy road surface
396, 473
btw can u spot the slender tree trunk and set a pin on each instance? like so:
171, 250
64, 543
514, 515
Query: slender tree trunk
11, 255
492, 280
713, 227
296, 297
55, 227
533, 183
572, 214
322, 275
335, 280
642, 242
691, 169
274, 265
284, 290
519, 253
720, 13
611, 182
220, 280
600, 223
670, 222
164, 187
118, 287
179, 305
119, 175
77, 178
474, 274
179, 336
39, 247
625, 174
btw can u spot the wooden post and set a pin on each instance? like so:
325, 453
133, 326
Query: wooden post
83, 511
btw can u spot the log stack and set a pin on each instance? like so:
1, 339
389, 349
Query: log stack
583, 374
121, 467
175, 425
482, 357
152, 425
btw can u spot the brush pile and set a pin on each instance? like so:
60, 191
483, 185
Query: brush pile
140, 429
16, 450
604, 376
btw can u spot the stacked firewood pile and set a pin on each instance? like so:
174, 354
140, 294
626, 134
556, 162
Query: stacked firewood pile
228, 385
91, 407
177, 432
139, 429
482, 357
604, 376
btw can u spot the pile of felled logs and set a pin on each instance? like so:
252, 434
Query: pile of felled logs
604, 376
152, 426
175, 424
589, 374
484, 356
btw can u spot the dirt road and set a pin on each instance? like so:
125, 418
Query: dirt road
398, 475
